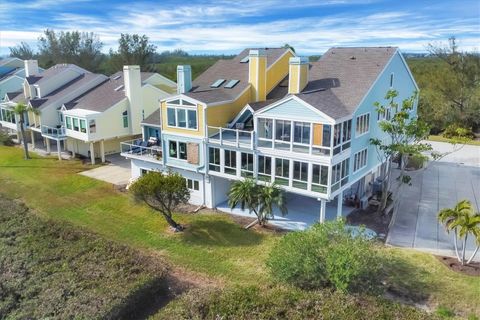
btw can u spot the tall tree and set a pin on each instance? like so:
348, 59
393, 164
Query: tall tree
163, 193
132, 50
405, 134
80, 48
22, 51
22, 110
459, 86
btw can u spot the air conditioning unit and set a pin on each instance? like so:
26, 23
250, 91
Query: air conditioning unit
364, 203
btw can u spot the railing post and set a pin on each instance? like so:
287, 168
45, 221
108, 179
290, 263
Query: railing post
251, 141
238, 135
221, 139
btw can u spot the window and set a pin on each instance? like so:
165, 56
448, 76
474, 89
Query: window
340, 174
231, 162
282, 130
362, 124
193, 184
282, 168
125, 119
231, 84
83, 126
75, 124
360, 160
384, 115
391, 79
300, 174
319, 178
68, 122
214, 159
182, 117
247, 164
177, 149
301, 132
92, 126
265, 127
144, 172
342, 134
264, 168
217, 83
60, 116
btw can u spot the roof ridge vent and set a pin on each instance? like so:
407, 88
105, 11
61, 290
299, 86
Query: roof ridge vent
353, 58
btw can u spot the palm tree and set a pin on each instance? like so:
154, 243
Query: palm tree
245, 192
271, 196
20, 110
463, 221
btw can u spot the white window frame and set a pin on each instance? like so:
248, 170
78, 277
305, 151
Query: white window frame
215, 165
178, 150
361, 122
187, 117
360, 160
248, 162
192, 184
232, 158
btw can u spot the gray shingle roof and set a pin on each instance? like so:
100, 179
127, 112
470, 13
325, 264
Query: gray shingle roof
104, 96
153, 119
342, 77
228, 70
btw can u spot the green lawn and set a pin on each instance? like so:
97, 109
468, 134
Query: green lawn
212, 244
443, 139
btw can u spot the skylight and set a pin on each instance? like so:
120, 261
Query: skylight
231, 84
117, 77
118, 88
217, 83
244, 60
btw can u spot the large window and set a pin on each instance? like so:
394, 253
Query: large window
182, 117
282, 168
83, 126
362, 124
301, 137
300, 174
177, 149
360, 160
282, 130
68, 121
340, 174
214, 159
247, 164
8, 116
265, 132
342, 135
319, 178
264, 168
230, 162
75, 124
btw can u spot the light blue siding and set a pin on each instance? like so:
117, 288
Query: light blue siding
405, 87
292, 109
10, 84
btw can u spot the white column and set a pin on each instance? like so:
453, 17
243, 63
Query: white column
48, 145
323, 209
92, 153
32, 136
59, 150
339, 205
102, 151
238, 159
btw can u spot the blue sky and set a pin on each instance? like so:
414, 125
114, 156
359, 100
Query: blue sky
228, 26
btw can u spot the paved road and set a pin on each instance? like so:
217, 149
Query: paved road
117, 172
441, 185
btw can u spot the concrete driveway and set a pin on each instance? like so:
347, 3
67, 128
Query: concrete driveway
441, 185
117, 171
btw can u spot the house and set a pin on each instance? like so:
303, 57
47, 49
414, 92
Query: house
276, 117
12, 75
69, 98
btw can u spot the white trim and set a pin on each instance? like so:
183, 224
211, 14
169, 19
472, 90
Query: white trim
178, 150
247, 107
358, 153
408, 69
356, 120
186, 108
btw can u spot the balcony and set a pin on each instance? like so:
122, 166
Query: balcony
140, 149
53, 132
231, 137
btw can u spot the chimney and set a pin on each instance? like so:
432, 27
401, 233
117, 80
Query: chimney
298, 74
257, 74
184, 79
133, 92
31, 68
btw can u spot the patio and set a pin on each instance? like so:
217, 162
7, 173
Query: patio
302, 212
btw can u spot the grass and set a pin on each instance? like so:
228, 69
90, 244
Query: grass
439, 138
212, 244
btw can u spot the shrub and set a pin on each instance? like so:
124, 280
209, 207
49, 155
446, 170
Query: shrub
326, 255
444, 312
416, 161
5, 139
456, 131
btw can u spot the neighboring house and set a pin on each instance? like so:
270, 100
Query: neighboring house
69, 98
308, 131
12, 75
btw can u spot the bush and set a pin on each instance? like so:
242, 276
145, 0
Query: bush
5, 139
456, 131
281, 302
416, 161
326, 255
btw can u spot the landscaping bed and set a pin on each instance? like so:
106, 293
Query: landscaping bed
472, 269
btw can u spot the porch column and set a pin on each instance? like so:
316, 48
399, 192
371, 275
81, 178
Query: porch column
47, 141
32, 136
59, 150
339, 205
323, 208
102, 151
92, 153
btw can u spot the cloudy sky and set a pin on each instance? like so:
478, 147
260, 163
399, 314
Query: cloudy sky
199, 26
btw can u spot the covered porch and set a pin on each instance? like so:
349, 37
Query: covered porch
302, 212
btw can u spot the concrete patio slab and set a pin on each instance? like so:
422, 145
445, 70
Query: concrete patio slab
116, 172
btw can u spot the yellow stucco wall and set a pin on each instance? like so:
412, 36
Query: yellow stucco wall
219, 116
200, 125
278, 71
257, 76
298, 78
